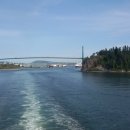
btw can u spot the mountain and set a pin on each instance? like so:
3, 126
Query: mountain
40, 63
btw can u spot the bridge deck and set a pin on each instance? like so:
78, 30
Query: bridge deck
18, 58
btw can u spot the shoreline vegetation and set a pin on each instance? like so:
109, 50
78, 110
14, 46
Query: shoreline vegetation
9, 67
116, 59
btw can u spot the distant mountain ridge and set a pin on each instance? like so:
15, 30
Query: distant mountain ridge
41, 63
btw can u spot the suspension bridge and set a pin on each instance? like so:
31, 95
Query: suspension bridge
44, 57
18, 58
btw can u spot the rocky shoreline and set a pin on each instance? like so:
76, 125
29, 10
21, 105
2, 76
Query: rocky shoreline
103, 70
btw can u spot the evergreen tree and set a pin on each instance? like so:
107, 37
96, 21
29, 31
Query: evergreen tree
112, 59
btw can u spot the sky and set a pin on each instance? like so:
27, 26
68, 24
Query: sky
61, 27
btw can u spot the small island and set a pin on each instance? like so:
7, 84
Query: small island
116, 59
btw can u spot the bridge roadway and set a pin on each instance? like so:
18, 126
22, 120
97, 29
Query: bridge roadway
18, 58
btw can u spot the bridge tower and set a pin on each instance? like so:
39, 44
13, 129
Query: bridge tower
82, 55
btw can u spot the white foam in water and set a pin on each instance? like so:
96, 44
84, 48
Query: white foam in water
31, 119
57, 115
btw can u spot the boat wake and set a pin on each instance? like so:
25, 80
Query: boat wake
45, 113
31, 118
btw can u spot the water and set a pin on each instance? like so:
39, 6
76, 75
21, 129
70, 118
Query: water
64, 99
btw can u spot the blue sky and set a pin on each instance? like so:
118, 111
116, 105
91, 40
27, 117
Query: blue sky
61, 27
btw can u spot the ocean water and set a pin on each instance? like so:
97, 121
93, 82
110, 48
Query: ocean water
64, 99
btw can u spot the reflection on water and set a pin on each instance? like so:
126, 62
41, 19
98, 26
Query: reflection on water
64, 99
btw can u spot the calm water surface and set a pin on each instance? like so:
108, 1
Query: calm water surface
64, 99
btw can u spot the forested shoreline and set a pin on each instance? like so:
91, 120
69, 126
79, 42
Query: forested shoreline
113, 59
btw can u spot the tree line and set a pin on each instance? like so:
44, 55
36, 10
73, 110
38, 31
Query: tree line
116, 58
